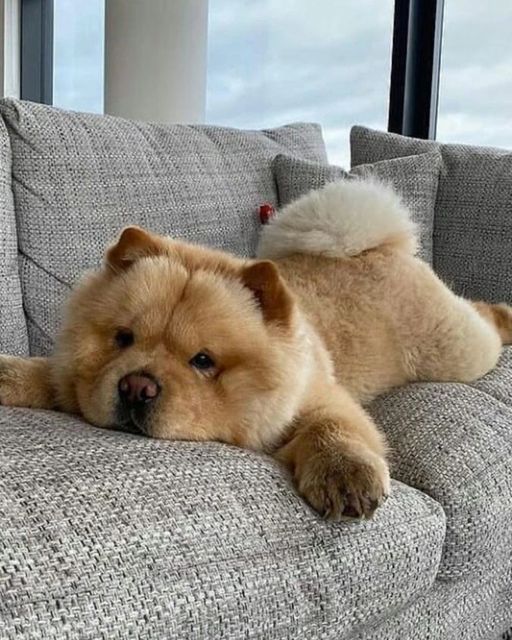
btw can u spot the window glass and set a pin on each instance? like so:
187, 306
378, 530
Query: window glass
273, 62
475, 91
78, 52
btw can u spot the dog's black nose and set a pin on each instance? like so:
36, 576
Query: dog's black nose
138, 389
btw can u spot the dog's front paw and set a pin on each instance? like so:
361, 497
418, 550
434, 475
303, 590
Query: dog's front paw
24, 382
343, 483
9, 380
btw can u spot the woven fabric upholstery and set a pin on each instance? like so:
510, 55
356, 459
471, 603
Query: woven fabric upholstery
13, 329
414, 178
109, 535
368, 145
79, 178
454, 442
473, 215
498, 382
476, 609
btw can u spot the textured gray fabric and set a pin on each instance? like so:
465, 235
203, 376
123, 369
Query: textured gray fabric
368, 145
13, 329
79, 178
296, 177
498, 382
414, 178
476, 609
473, 216
454, 442
109, 535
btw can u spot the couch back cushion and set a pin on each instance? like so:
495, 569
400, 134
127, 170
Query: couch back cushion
473, 214
80, 178
414, 178
13, 328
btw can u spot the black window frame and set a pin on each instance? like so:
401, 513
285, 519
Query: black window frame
36, 55
415, 67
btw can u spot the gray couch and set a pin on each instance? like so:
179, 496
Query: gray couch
110, 535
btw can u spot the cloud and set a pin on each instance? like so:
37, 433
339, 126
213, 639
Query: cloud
475, 97
78, 55
278, 61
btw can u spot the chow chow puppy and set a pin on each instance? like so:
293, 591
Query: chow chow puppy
178, 341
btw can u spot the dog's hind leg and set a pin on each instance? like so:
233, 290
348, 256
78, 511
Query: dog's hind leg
26, 382
500, 317
465, 344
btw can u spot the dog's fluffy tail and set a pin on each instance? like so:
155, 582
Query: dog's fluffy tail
341, 220
500, 316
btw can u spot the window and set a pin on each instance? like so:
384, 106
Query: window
475, 95
277, 61
78, 51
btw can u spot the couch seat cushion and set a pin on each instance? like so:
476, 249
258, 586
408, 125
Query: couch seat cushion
79, 178
498, 382
414, 178
454, 442
105, 534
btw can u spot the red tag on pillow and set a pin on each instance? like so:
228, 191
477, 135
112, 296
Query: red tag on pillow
266, 212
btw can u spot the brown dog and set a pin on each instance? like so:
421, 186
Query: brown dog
182, 342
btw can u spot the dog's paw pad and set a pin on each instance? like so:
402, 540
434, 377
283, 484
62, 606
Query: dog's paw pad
340, 488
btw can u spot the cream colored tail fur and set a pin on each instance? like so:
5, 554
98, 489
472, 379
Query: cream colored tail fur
340, 220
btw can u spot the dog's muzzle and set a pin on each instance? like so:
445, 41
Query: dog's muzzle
137, 394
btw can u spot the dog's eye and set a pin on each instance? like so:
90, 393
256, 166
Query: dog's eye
202, 361
124, 338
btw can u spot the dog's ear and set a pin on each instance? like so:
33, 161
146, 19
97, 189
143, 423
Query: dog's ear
269, 289
133, 244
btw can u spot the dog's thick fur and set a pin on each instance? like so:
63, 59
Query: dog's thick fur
298, 345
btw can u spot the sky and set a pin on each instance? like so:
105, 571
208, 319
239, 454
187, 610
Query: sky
325, 61
271, 62
475, 94
78, 54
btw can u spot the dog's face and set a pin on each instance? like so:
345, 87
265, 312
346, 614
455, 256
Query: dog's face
179, 342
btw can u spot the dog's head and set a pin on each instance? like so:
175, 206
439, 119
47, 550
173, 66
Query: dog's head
181, 342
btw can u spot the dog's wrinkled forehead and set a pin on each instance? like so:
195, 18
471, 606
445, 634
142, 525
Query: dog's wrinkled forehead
151, 282
163, 284
157, 271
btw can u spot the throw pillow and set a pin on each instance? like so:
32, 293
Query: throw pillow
414, 178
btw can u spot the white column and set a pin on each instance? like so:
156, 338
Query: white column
155, 59
9, 48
